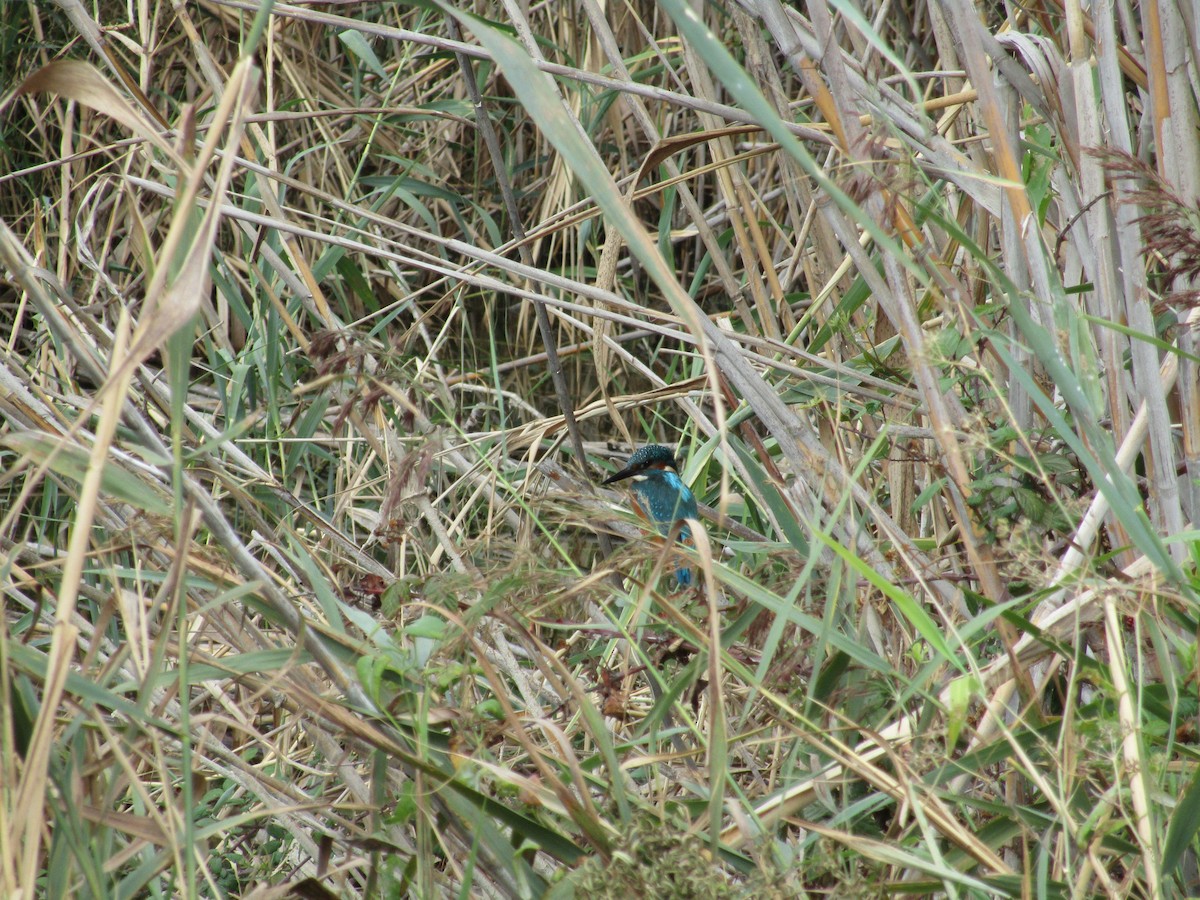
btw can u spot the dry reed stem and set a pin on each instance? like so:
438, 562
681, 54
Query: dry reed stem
830, 336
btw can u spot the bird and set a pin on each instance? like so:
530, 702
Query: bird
660, 495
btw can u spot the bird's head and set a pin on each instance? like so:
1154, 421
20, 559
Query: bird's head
652, 456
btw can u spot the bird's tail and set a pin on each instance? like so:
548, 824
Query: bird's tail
683, 574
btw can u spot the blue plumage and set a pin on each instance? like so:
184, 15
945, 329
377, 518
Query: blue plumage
661, 495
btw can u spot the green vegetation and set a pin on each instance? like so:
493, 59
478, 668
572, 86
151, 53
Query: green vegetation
323, 323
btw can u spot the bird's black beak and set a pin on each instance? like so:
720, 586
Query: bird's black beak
620, 476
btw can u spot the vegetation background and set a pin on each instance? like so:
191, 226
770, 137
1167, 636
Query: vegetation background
321, 322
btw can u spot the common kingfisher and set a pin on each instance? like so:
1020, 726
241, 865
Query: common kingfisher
661, 495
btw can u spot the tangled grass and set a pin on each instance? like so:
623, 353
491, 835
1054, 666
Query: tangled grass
323, 322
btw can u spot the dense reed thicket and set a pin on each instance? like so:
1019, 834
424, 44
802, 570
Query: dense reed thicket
322, 322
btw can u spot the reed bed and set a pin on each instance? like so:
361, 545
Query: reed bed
323, 322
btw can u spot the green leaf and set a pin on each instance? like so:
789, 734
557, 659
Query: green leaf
69, 460
358, 46
1185, 822
432, 627
962, 689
